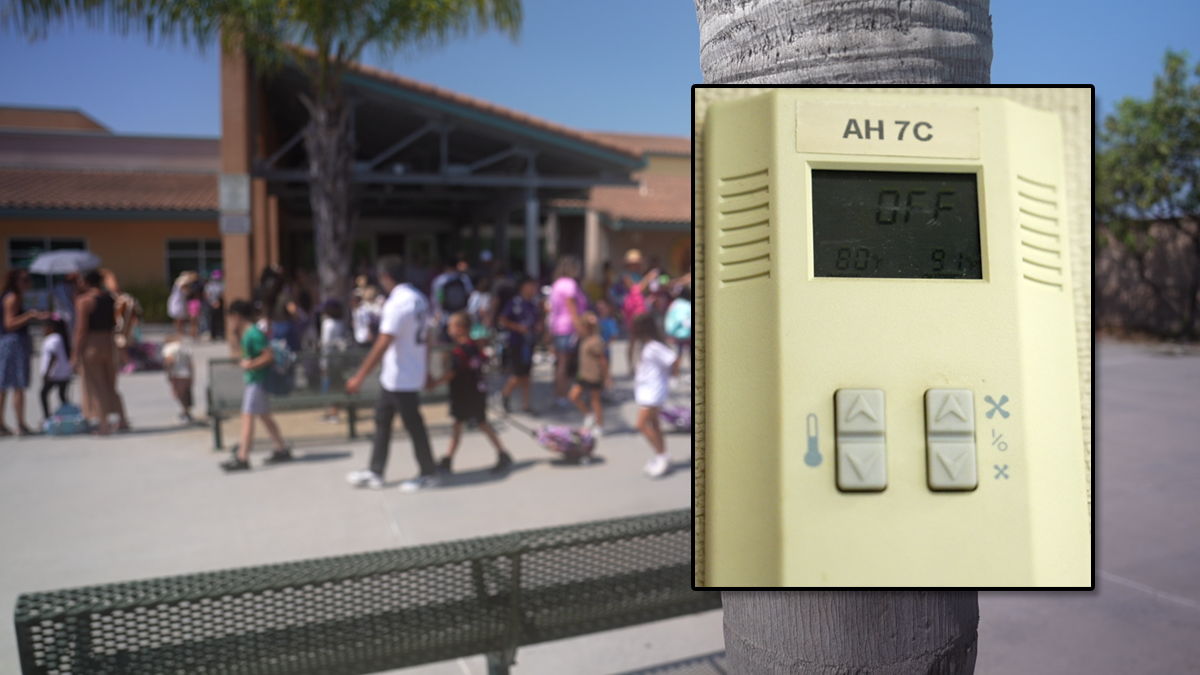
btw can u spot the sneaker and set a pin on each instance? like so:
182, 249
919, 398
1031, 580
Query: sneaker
589, 420
444, 466
658, 466
329, 419
597, 432
420, 483
278, 456
503, 463
365, 478
235, 464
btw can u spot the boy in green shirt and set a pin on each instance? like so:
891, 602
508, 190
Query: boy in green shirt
256, 360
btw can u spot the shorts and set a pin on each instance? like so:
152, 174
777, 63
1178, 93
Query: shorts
589, 387
562, 343
519, 358
472, 406
254, 401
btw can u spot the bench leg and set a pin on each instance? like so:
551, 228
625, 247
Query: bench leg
351, 413
497, 664
216, 425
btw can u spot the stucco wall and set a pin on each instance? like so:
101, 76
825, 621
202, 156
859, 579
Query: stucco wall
135, 249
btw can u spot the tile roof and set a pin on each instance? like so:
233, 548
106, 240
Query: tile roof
107, 190
651, 143
600, 140
656, 199
58, 119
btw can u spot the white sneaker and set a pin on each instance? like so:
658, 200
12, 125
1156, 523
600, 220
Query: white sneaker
589, 420
597, 432
420, 483
658, 466
365, 478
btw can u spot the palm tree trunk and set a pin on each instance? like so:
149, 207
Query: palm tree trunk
845, 41
851, 632
848, 42
330, 150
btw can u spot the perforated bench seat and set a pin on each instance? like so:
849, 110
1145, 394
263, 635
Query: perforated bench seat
376, 611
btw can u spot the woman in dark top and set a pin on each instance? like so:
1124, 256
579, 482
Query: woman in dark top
94, 357
15, 347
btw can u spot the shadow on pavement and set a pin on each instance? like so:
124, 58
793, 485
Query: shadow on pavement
708, 664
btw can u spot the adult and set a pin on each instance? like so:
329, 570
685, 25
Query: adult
16, 347
567, 305
401, 347
95, 354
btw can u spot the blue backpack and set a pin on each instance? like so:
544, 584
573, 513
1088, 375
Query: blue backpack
281, 374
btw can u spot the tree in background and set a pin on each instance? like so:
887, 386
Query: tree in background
1148, 174
836, 42
320, 38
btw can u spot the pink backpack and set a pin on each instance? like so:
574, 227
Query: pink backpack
570, 441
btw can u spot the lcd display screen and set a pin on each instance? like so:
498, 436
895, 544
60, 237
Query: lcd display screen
899, 225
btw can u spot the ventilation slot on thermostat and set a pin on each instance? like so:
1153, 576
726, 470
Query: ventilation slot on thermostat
744, 228
1042, 237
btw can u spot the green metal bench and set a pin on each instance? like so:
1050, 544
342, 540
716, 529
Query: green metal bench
371, 612
226, 383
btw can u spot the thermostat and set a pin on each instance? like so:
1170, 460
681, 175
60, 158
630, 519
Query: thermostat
892, 372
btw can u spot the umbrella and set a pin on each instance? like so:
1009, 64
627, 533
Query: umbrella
66, 261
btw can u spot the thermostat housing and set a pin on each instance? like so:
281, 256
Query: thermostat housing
892, 394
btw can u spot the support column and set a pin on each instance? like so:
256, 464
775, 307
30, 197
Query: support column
532, 263
595, 247
236, 249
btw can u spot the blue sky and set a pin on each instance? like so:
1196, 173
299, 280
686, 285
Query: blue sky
618, 65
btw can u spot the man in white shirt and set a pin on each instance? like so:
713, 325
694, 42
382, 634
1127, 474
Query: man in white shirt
401, 347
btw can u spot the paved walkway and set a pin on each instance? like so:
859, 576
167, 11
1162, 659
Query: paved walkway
80, 510
1144, 616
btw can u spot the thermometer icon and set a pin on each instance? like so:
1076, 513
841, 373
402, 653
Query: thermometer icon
813, 456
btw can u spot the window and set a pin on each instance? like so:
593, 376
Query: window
200, 255
22, 251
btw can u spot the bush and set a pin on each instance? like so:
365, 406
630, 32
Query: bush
153, 299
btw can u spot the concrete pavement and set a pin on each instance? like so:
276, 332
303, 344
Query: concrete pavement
78, 510
1144, 616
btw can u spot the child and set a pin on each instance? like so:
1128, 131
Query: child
56, 364
593, 374
678, 322
468, 391
657, 365
177, 362
609, 328
256, 360
335, 338
521, 318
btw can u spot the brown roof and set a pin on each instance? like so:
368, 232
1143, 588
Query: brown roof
599, 140
115, 190
650, 143
48, 118
656, 199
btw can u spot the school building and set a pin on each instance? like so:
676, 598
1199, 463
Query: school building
436, 174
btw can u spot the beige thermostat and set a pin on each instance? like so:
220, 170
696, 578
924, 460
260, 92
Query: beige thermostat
892, 393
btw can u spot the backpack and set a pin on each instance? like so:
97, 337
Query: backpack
67, 420
677, 416
573, 442
281, 374
454, 295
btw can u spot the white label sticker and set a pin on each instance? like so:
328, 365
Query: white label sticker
858, 128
